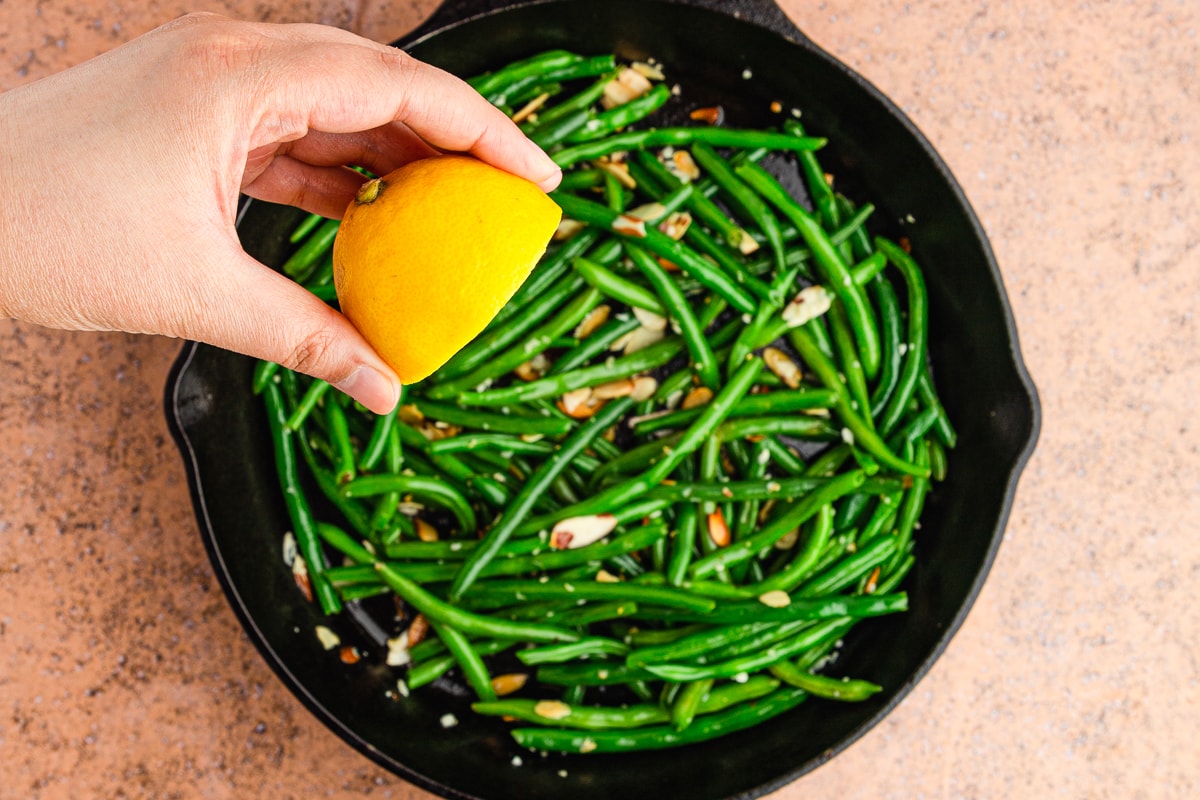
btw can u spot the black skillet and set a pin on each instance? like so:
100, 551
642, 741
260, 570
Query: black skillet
877, 155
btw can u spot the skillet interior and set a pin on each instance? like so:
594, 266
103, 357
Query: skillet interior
877, 156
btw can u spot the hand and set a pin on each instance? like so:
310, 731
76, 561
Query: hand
119, 181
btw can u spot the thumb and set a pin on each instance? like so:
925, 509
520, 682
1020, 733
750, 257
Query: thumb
260, 313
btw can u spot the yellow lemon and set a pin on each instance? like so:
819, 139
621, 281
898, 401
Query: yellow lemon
427, 255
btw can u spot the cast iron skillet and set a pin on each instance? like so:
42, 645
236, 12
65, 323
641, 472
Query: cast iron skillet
877, 155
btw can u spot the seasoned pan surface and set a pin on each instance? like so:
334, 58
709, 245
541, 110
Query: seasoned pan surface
742, 64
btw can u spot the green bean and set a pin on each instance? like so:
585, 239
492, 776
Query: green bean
649, 358
665, 597
523, 502
503, 442
827, 259
786, 522
546, 425
780, 402
704, 208
425, 487
534, 65
467, 622
584, 648
732, 612
377, 445
469, 661
595, 344
687, 703
537, 341
891, 343
264, 372
612, 120
304, 228
821, 686
849, 569
618, 288
658, 137
433, 667
316, 390
736, 718
581, 101
743, 197
805, 559
677, 253
928, 394
703, 360
303, 523
299, 265
914, 357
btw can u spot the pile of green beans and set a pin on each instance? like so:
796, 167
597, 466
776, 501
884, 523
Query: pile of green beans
755, 471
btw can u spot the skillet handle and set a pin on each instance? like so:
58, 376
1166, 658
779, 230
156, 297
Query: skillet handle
761, 12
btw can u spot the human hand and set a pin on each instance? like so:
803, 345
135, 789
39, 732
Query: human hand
119, 181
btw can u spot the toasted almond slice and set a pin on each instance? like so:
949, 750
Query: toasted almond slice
676, 224
349, 655
327, 637
417, 630
616, 94
573, 400
649, 319
300, 576
651, 71
551, 709
425, 531
644, 388
718, 529
699, 396
595, 318
509, 683
641, 338
684, 166
397, 650
872, 582
776, 106
410, 415
776, 598
788, 540
784, 368
534, 368
810, 303
747, 244
669, 266
567, 228
629, 226
614, 389
619, 170
576, 532
604, 576
648, 211
710, 115
530, 107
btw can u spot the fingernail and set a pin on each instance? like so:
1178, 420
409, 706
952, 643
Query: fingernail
543, 165
372, 388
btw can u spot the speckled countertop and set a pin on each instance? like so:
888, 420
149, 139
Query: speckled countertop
1074, 129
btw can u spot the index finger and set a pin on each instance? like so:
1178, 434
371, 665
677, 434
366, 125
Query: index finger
342, 87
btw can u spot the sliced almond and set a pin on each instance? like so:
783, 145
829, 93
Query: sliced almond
648, 70
784, 368
642, 337
614, 389
418, 629
574, 400
509, 683
425, 531
595, 318
699, 396
604, 576
534, 368
648, 211
397, 650
718, 529
530, 107
410, 415
788, 540
684, 166
872, 582
300, 576
747, 244
567, 228
676, 224
551, 709
349, 655
776, 598
710, 115
628, 85
576, 532
327, 637
619, 170
629, 226
644, 388
810, 303
655, 322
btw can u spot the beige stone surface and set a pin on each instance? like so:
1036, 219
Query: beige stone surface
1073, 128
